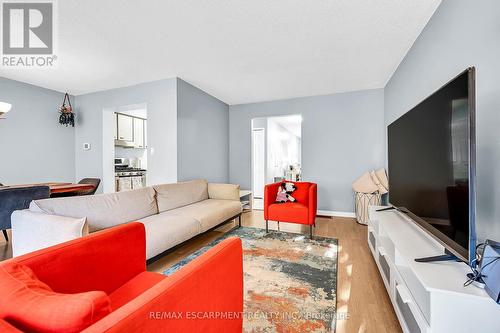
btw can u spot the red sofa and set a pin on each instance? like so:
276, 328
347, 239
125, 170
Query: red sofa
207, 292
302, 211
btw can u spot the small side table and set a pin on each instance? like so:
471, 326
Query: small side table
246, 200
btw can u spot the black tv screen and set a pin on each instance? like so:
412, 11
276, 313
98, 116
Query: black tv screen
431, 162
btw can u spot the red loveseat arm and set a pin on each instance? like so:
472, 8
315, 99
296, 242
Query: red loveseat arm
104, 260
5, 327
206, 295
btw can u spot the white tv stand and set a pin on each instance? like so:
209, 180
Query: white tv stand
427, 297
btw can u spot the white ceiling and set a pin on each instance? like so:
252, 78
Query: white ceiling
239, 51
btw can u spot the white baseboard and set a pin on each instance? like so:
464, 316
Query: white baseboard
335, 213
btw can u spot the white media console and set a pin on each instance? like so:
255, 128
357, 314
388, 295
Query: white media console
427, 297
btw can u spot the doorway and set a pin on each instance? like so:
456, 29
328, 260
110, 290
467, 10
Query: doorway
124, 153
259, 151
276, 152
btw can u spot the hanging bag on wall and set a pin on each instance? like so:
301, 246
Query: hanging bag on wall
66, 117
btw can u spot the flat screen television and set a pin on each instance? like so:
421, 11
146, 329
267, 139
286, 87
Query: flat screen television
431, 164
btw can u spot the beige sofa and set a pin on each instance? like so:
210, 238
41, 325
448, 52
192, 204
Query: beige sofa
171, 214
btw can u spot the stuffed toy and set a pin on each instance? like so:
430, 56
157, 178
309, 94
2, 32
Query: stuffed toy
284, 192
289, 188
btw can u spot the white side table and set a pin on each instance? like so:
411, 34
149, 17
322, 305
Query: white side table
246, 200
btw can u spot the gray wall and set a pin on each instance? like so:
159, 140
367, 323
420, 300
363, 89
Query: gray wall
33, 146
460, 34
161, 100
202, 135
342, 137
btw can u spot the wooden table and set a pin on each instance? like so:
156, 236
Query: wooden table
57, 187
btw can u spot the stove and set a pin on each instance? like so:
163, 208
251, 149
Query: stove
126, 171
127, 177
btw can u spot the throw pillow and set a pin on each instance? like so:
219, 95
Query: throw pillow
364, 184
382, 176
31, 305
32, 231
381, 188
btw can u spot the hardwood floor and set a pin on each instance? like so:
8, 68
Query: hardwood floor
361, 296
5, 247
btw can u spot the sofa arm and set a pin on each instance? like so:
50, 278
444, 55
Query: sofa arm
103, 260
224, 191
270, 192
206, 295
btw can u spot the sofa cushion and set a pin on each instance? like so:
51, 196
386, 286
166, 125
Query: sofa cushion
31, 305
288, 212
210, 212
32, 231
103, 210
165, 230
133, 288
171, 196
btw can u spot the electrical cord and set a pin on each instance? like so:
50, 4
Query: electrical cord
476, 274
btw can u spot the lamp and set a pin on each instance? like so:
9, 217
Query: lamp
4, 108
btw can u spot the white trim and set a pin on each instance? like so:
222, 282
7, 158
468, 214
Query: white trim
335, 213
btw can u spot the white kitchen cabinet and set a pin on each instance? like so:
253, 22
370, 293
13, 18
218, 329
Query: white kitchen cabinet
125, 128
138, 133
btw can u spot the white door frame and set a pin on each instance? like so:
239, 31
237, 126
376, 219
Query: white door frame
258, 185
108, 150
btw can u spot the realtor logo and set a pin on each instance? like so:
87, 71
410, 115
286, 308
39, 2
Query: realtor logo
28, 29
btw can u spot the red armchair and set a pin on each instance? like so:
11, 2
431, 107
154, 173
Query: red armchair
114, 260
302, 211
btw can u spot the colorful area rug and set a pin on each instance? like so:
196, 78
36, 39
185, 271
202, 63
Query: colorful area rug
290, 281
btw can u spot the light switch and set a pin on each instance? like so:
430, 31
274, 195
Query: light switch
86, 146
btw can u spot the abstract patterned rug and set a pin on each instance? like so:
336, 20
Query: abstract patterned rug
290, 281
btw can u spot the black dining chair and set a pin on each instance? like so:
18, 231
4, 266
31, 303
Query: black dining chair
12, 199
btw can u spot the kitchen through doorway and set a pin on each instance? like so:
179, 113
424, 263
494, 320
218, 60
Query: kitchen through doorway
125, 153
